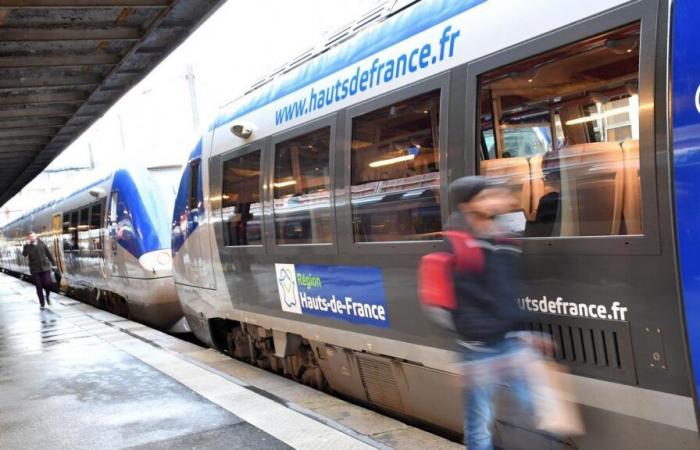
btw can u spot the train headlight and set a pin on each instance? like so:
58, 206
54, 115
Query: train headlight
157, 261
163, 258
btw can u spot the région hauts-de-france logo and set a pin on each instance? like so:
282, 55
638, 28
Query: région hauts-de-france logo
287, 286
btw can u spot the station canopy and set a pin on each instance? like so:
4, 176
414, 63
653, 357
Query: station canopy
64, 63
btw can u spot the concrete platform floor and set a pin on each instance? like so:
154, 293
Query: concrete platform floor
73, 376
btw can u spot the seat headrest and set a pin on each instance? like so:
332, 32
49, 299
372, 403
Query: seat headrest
630, 145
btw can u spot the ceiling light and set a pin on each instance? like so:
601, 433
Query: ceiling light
390, 161
622, 46
282, 184
525, 75
597, 116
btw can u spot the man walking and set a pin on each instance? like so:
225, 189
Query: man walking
40, 263
487, 317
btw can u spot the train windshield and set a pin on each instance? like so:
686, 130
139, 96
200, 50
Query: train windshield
167, 179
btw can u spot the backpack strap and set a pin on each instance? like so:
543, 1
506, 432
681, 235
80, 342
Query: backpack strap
469, 256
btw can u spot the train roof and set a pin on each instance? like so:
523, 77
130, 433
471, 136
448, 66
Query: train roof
348, 45
98, 180
57, 200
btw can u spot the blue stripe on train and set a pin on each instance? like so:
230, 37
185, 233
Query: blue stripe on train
141, 217
142, 224
414, 20
686, 165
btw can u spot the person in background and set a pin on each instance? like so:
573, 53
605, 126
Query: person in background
40, 263
548, 217
487, 318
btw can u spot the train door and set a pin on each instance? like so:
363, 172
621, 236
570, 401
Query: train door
111, 266
57, 231
200, 268
194, 268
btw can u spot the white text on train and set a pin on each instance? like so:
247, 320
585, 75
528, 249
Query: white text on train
348, 306
559, 306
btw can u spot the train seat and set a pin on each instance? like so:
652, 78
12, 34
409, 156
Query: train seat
632, 195
514, 173
545, 217
536, 181
537, 185
431, 179
365, 189
592, 182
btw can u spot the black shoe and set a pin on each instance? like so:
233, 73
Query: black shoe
41, 307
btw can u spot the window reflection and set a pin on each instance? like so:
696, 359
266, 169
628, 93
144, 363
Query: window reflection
96, 229
240, 200
73, 230
561, 129
302, 189
395, 171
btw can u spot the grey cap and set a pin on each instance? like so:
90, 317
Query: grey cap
464, 189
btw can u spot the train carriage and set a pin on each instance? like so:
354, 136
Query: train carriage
111, 241
305, 209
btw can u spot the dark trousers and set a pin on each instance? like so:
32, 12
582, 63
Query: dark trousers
43, 282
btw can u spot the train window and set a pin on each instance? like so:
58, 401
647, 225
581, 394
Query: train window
96, 227
84, 230
66, 233
113, 210
395, 171
74, 230
302, 189
194, 185
561, 130
240, 200
84, 219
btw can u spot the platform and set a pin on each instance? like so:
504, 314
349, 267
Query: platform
73, 376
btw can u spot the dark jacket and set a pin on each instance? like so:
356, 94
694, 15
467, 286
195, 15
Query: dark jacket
40, 259
487, 307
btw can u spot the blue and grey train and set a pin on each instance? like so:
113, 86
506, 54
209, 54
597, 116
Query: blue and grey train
111, 240
303, 212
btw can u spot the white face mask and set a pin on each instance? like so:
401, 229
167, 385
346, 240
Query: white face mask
511, 223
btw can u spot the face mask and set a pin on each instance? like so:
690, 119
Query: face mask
511, 223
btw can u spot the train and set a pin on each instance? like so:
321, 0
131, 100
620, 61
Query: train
304, 210
111, 241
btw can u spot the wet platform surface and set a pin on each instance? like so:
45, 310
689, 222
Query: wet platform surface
62, 386
73, 376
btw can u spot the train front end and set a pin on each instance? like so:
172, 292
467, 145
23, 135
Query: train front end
195, 266
137, 257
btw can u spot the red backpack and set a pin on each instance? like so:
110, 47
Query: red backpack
436, 270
